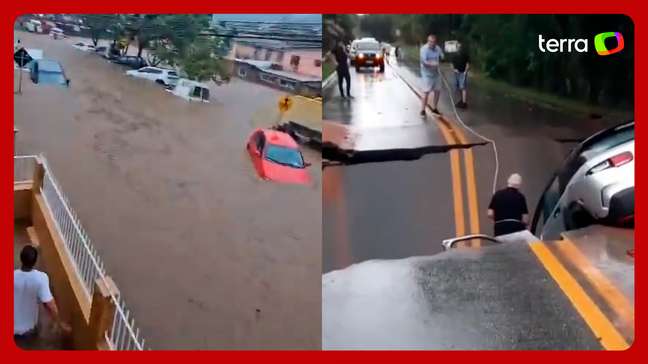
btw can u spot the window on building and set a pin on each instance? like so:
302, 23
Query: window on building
287, 84
294, 62
266, 78
280, 56
318, 63
268, 54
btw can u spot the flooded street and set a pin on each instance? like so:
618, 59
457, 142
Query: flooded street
206, 254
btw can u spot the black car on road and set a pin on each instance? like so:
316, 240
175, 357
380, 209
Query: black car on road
133, 62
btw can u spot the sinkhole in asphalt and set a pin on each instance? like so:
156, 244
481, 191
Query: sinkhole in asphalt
334, 155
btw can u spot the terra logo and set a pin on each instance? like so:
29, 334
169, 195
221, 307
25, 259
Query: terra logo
581, 45
599, 43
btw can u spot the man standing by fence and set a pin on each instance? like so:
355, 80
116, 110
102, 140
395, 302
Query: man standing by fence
31, 288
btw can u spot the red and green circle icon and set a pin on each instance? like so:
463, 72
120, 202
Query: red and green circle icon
599, 43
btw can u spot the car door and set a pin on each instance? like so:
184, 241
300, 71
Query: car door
156, 74
148, 73
141, 73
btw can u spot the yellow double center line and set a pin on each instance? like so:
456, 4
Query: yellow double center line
601, 326
453, 136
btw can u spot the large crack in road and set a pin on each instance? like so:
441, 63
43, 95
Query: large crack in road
334, 155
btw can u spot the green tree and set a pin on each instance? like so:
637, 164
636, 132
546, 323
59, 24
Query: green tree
378, 26
505, 47
339, 27
185, 43
200, 62
98, 24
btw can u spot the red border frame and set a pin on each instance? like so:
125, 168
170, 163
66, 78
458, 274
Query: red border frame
628, 7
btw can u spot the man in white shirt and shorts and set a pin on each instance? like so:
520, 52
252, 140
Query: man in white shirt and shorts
431, 56
31, 289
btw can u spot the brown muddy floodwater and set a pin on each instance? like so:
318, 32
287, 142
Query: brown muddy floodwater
207, 255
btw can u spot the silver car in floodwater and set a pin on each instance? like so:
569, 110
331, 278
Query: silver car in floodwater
595, 185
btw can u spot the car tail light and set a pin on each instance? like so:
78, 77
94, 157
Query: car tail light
361, 55
378, 55
613, 162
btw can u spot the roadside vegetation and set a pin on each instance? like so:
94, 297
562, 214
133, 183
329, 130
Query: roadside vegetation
504, 48
327, 70
181, 40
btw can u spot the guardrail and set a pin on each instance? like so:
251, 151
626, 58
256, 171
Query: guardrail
123, 335
24, 166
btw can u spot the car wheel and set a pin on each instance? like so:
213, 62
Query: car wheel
382, 68
621, 210
161, 82
577, 217
357, 68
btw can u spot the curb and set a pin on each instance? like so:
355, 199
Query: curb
329, 80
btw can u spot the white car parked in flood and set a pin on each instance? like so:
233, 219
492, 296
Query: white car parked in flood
162, 76
84, 47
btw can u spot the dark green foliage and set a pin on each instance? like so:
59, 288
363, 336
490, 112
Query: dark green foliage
505, 47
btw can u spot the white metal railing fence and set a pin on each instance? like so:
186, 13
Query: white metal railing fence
24, 168
123, 334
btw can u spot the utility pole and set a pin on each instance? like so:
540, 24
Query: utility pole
20, 71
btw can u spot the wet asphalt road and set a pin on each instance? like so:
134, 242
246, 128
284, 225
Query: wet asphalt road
205, 254
520, 294
383, 207
463, 299
382, 115
381, 210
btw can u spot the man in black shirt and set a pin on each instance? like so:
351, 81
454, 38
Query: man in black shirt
508, 208
342, 68
461, 65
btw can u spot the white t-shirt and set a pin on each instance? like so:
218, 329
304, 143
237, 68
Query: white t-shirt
30, 290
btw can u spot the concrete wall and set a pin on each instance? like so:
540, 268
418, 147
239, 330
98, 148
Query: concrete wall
22, 201
307, 58
308, 89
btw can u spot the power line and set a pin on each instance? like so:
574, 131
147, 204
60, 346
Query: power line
240, 36
267, 22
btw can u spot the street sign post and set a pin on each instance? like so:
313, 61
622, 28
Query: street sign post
22, 58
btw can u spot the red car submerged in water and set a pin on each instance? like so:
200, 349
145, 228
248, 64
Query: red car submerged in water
276, 157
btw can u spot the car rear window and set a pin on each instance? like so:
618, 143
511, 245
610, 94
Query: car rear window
616, 138
591, 148
368, 46
173, 74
